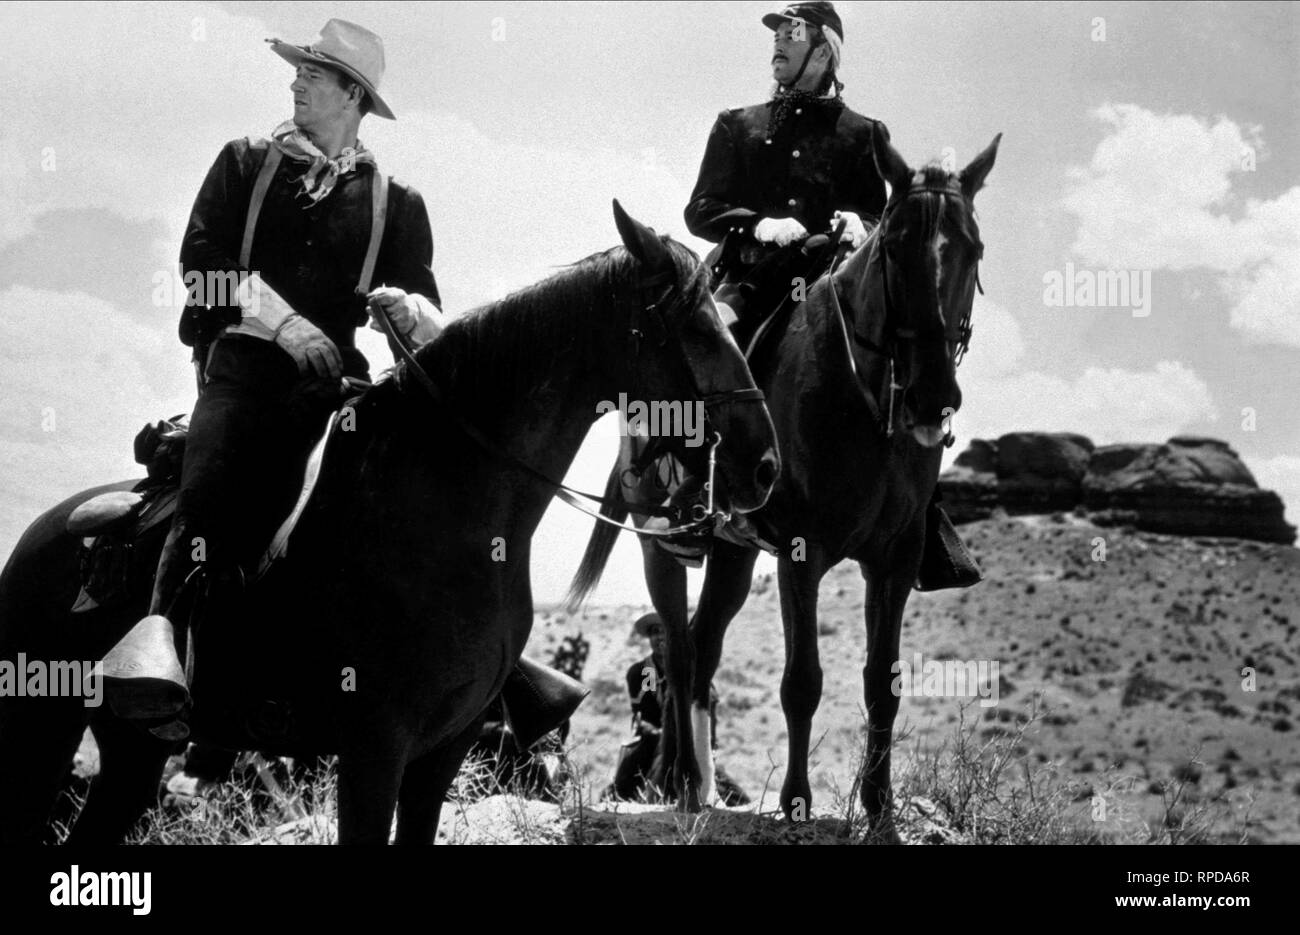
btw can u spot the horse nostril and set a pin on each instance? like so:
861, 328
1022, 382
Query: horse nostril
765, 473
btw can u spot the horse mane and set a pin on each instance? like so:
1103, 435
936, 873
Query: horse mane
499, 350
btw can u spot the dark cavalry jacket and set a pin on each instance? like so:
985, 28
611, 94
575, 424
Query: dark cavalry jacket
310, 254
819, 162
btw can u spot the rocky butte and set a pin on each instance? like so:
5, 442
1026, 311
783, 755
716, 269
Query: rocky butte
1188, 486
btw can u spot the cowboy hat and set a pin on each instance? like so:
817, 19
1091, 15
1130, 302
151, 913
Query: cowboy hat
355, 51
645, 622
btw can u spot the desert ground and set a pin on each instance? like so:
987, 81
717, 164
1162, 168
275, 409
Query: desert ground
1123, 678
1125, 682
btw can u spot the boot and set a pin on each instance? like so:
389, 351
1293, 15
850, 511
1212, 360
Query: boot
538, 699
945, 561
143, 677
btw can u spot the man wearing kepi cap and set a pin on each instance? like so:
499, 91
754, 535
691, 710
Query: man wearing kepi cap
773, 174
317, 237
797, 164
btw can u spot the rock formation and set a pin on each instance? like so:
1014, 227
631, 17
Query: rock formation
1188, 486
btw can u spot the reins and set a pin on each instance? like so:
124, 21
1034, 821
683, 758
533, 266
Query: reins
957, 332
701, 519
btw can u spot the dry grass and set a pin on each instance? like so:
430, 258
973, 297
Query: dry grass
969, 789
987, 789
979, 784
240, 812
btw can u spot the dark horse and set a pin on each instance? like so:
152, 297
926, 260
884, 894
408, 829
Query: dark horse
404, 598
859, 464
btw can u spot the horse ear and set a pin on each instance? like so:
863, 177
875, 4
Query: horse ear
972, 177
891, 166
640, 240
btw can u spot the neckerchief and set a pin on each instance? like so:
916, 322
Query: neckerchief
322, 172
785, 103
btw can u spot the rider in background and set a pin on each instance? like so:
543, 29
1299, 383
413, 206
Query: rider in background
636, 758
797, 164
773, 174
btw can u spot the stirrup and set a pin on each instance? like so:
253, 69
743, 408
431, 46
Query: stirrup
945, 561
538, 699
142, 676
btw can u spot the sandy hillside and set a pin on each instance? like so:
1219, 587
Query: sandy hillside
1135, 665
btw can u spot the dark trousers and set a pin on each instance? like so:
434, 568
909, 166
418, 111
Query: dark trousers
755, 290
636, 762
255, 422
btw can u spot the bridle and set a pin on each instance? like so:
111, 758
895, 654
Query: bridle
644, 309
957, 331
669, 321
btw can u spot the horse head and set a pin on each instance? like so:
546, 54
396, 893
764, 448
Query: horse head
914, 284
677, 341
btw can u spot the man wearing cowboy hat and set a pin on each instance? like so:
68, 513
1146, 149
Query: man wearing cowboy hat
637, 756
308, 223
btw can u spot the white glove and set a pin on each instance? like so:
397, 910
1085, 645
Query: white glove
412, 315
780, 231
309, 347
396, 304
855, 232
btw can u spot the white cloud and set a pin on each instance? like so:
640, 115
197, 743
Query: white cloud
997, 344
1281, 474
505, 215
133, 140
1158, 194
1000, 394
78, 378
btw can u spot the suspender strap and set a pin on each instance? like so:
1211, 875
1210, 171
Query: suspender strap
378, 215
263, 182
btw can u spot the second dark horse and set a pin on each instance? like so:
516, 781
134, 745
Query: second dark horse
861, 383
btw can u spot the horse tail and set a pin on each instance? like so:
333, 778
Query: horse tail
601, 543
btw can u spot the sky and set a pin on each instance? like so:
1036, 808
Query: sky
1158, 140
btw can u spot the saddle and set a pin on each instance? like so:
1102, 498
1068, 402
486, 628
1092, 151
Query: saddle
122, 532
119, 528
767, 291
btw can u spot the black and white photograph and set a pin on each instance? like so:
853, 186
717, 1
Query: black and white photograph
730, 423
